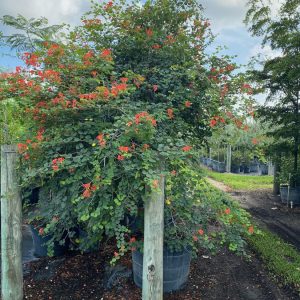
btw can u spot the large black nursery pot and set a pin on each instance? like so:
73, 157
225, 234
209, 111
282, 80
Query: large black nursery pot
294, 194
40, 247
235, 169
176, 269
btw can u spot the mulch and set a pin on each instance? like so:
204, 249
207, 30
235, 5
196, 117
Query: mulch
86, 277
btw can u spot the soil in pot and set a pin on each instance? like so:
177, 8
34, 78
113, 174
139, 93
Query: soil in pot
176, 269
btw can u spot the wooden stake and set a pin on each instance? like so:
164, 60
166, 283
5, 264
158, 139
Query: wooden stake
153, 245
11, 226
228, 159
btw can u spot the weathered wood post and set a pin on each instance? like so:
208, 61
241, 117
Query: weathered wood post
276, 180
153, 244
11, 227
228, 159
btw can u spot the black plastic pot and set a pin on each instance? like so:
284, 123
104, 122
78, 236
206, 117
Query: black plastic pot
254, 167
246, 169
294, 194
235, 169
40, 247
263, 169
176, 269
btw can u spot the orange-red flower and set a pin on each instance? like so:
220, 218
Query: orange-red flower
145, 146
200, 231
124, 149
156, 46
22, 148
120, 157
155, 88
188, 104
101, 140
170, 113
227, 211
195, 238
132, 240
186, 148
213, 123
105, 53
149, 31
108, 5
251, 229
173, 172
254, 141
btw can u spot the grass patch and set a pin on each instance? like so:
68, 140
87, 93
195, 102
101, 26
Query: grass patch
281, 258
242, 182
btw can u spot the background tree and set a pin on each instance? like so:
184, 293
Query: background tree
280, 76
31, 32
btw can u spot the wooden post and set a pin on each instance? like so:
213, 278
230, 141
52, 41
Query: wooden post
228, 159
153, 244
11, 226
276, 182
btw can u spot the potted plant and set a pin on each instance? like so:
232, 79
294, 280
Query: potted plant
136, 95
191, 222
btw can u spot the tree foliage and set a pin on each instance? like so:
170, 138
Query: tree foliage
31, 32
129, 90
280, 76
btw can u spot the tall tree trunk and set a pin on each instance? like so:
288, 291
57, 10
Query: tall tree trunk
296, 144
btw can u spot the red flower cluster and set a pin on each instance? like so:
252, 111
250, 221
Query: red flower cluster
40, 133
88, 189
87, 58
31, 59
56, 162
144, 116
124, 149
227, 211
254, 141
251, 229
121, 157
101, 140
90, 96
149, 32
188, 104
145, 147
106, 54
156, 46
170, 113
247, 89
155, 88
108, 5
214, 121
55, 50
22, 148
91, 22
186, 148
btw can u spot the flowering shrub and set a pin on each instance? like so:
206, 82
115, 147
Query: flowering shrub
129, 89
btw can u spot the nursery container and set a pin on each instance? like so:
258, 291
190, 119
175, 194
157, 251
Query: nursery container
40, 247
235, 169
294, 194
176, 269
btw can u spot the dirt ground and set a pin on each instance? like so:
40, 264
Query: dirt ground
268, 211
224, 276
85, 277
